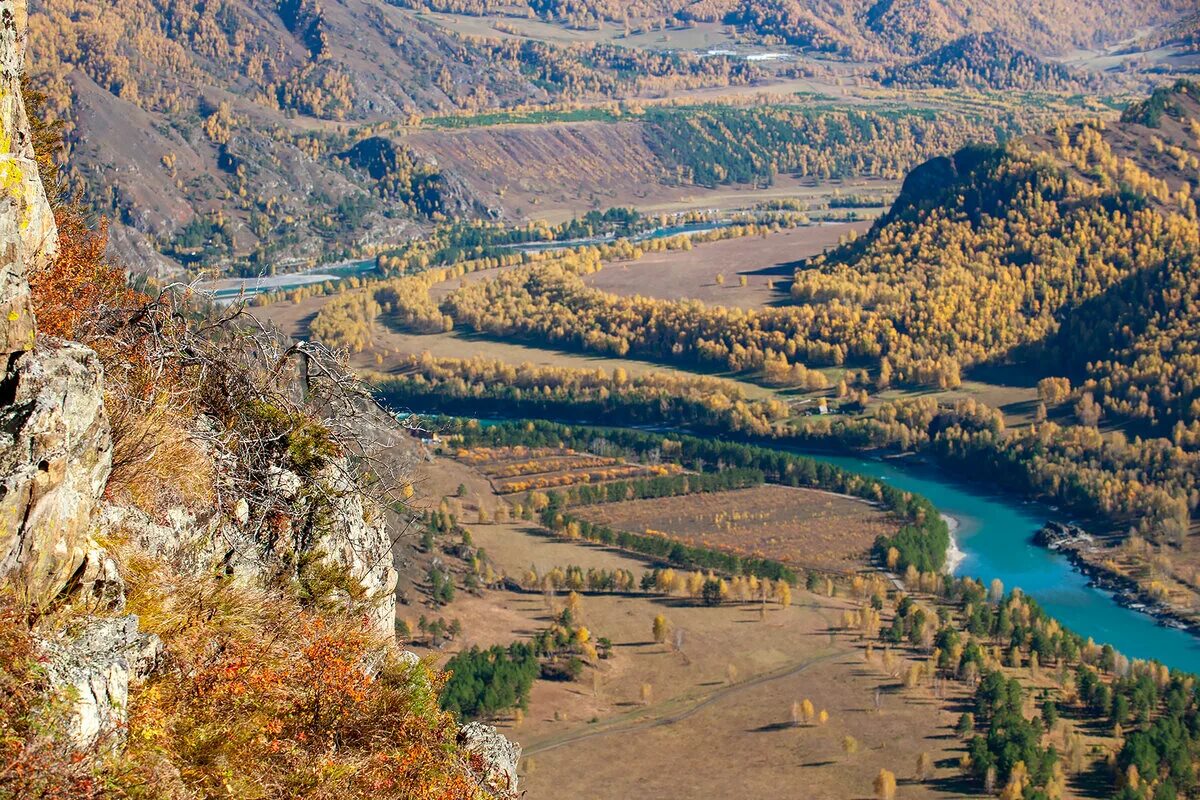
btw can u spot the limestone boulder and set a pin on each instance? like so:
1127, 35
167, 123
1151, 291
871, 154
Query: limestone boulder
92, 671
499, 757
55, 459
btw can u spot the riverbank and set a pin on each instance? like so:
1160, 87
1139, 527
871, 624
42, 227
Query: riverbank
1091, 560
994, 533
954, 554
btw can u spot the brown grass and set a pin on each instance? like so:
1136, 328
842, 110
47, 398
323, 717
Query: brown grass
796, 526
692, 274
699, 736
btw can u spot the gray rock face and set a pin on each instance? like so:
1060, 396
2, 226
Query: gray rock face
500, 757
55, 444
28, 238
97, 586
360, 542
93, 671
55, 458
356, 538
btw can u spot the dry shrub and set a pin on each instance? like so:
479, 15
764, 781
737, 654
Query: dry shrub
264, 699
157, 464
35, 759
84, 297
80, 291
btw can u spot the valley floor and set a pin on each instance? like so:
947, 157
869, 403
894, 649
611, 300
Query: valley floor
720, 690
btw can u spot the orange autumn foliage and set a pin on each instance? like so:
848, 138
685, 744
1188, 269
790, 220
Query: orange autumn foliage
82, 288
264, 698
35, 759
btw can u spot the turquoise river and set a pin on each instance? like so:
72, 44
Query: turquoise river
994, 535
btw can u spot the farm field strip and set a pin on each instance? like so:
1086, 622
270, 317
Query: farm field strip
512, 472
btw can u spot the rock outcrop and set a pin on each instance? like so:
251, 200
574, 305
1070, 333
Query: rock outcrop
94, 669
355, 537
55, 443
55, 458
28, 238
499, 756
55, 448
359, 542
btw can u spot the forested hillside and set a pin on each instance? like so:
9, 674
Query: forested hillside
1032, 244
223, 134
176, 115
863, 28
213, 129
982, 61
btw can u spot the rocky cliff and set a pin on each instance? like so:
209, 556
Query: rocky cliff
56, 463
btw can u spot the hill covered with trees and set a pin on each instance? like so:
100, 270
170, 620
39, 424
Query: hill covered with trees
981, 61
891, 28
224, 134
219, 132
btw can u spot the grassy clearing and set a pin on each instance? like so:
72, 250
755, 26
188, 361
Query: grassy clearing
591, 738
713, 272
798, 527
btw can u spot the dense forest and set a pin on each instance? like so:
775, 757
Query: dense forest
455, 385
716, 145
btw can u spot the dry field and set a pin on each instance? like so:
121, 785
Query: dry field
715, 720
520, 469
693, 274
701, 735
560, 170
795, 526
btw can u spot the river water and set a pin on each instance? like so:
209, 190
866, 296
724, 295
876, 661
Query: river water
994, 534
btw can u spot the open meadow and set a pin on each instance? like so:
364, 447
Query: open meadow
722, 697
713, 272
798, 527
719, 690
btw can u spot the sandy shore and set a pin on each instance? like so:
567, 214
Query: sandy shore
954, 555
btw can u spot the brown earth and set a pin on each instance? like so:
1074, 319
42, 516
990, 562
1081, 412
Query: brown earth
692, 274
701, 735
796, 526
557, 171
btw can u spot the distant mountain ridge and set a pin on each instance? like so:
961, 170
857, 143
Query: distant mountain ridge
212, 133
859, 28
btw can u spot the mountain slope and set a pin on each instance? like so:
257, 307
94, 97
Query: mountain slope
889, 28
1029, 248
215, 130
174, 109
981, 61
